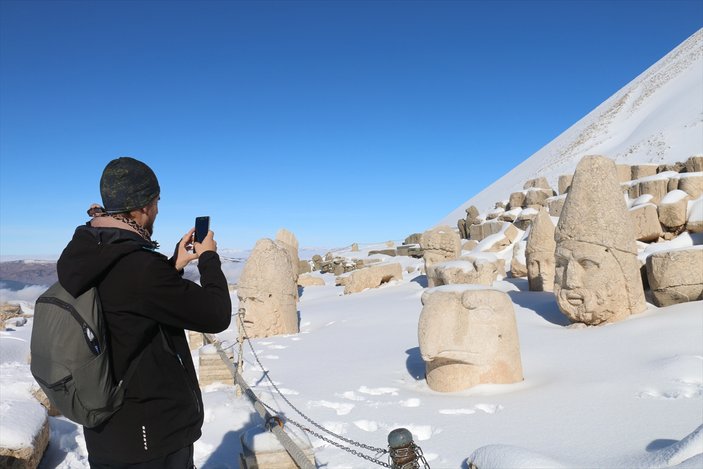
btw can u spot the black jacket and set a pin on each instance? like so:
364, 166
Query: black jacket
147, 306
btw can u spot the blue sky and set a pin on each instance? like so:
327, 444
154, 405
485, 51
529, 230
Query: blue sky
342, 121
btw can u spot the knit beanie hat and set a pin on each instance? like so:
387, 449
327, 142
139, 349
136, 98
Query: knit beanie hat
127, 184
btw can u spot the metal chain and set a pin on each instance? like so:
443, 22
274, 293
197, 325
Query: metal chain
329, 432
332, 442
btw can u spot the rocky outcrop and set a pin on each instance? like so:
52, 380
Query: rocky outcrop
310, 281
29, 454
468, 336
479, 270
211, 368
676, 276
597, 272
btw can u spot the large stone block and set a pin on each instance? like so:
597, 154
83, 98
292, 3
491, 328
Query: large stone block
516, 200
480, 270
26, 454
694, 164
372, 277
484, 230
673, 209
268, 291
540, 183
565, 183
597, 277
694, 222
624, 172
518, 264
468, 336
507, 235
676, 276
642, 170
262, 450
307, 280
537, 197
211, 368
525, 218
657, 188
555, 205
645, 221
692, 184
195, 340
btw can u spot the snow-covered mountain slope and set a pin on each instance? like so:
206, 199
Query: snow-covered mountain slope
656, 118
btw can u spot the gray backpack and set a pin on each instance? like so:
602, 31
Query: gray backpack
70, 356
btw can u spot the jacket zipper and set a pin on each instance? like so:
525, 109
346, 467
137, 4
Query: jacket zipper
93, 344
190, 386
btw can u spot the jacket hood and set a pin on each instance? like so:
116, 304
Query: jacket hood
92, 252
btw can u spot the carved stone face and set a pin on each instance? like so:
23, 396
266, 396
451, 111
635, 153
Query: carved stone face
589, 284
540, 271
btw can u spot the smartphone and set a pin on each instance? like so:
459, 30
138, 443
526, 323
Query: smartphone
202, 226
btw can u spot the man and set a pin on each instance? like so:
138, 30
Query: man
147, 305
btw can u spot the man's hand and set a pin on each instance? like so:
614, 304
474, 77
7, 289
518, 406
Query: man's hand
208, 244
185, 252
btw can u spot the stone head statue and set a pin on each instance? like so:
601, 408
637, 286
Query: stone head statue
597, 277
468, 336
267, 291
539, 253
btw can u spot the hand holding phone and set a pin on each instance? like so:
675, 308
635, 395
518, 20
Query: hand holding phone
202, 226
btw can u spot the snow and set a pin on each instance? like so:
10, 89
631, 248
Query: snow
673, 197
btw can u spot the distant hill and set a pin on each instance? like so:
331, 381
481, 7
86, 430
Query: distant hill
656, 118
16, 275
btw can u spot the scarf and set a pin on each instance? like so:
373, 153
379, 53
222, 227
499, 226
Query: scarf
101, 219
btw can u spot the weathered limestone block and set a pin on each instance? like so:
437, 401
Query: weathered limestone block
624, 172
676, 276
390, 244
501, 204
438, 245
310, 281
673, 184
508, 234
539, 253
694, 222
516, 200
525, 218
656, 187
268, 291
304, 267
642, 170
469, 245
372, 277
511, 215
472, 216
484, 230
692, 184
463, 230
355, 247
316, 262
645, 222
211, 368
537, 197
676, 167
555, 205
415, 238
598, 276
43, 399
564, 183
540, 183
673, 209
479, 270
468, 336
195, 340
287, 240
385, 252
518, 264
262, 450
694, 164
30, 453
634, 190
7, 312
495, 213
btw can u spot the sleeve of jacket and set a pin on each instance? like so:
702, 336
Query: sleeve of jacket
168, 298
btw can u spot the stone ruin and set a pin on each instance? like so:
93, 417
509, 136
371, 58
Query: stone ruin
676, 276
597, 272
473, 269
663, 202
468, 336
268, 292
539, 253
370, 277
439, 244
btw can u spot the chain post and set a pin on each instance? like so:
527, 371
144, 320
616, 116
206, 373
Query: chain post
404, 453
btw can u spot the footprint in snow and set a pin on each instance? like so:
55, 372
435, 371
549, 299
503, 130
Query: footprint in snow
339, 407
378, 391
366, 425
